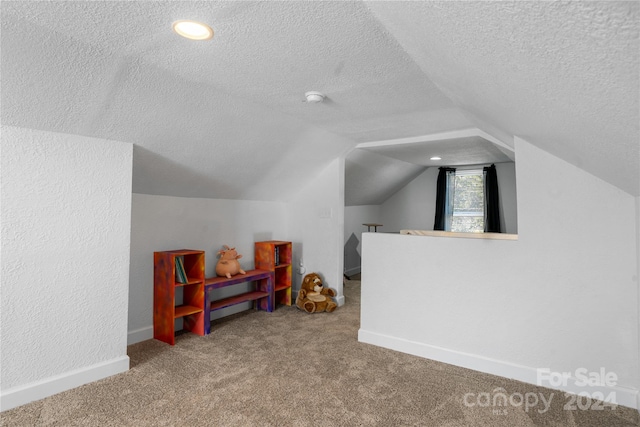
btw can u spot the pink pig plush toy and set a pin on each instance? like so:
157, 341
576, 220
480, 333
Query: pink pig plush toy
228, 264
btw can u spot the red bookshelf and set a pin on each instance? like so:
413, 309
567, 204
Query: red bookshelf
165, 287
276, 256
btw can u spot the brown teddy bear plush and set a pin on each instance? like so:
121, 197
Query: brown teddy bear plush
314, 297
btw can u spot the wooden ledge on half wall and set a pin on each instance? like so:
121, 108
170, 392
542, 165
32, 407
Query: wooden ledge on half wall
437, 233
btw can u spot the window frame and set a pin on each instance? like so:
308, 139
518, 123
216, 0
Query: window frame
474, 171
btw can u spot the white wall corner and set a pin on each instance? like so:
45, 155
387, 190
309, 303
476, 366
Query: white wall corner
318, 235
353, 271
139, 335
67, 194
23, 394
638, 288
338, 242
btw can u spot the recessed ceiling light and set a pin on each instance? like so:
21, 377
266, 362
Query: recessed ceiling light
193, 30
436, 158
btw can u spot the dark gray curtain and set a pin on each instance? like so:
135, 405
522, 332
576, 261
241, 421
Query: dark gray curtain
491, 200
443, 198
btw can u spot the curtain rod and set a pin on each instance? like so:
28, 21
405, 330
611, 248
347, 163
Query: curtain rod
473, 166
467, 167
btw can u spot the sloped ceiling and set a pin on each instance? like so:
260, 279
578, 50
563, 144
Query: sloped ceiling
562, 75
226, 118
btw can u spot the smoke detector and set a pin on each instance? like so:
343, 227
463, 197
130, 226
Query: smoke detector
314, 97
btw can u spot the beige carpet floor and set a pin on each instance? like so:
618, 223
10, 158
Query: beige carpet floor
290, 368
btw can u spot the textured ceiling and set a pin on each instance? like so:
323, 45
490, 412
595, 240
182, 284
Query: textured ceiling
460, 151
562, 75
226, 118
463, 147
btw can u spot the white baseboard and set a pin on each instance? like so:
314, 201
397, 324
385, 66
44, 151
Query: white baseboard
146, 333
623, 396
139, 335
21, 395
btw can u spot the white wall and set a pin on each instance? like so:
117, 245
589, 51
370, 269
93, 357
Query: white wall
507, 187
354, 217
637, 280
66, 216
165, 223
316, 226
563, 296
413, 207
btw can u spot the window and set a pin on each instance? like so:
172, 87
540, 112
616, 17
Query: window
468, 201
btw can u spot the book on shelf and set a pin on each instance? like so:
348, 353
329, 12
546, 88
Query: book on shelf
181, 274
277, 256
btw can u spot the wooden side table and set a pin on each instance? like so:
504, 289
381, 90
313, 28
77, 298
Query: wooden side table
375, 226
